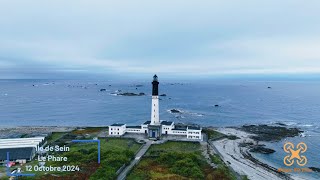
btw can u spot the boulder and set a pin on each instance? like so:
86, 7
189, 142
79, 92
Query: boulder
175, 111
262, 150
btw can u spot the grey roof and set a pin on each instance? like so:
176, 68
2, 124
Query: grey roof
134, 127
167, 123
117, 124
17, 153
180, 128
147, 122
194, 128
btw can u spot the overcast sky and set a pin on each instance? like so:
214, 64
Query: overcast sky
47, 39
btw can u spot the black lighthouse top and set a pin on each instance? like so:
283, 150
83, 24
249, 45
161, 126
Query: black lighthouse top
155, 88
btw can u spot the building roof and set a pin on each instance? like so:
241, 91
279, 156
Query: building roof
180, 128
21, 142
117, 124
134, 127
147, 122
194, 128
16, 153
167, 123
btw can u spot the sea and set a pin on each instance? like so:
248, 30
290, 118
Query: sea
96, 103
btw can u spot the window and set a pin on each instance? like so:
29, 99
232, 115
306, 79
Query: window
111, 129
111, 132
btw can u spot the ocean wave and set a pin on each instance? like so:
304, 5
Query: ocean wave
306, 125
197, 114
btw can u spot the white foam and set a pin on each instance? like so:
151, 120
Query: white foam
307, 125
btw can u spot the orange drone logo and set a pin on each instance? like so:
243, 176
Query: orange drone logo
295, 154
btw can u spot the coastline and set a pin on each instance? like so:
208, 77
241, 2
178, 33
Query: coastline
240, 159
230, 151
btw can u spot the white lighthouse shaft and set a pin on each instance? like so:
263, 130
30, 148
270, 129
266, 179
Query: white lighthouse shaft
155, 111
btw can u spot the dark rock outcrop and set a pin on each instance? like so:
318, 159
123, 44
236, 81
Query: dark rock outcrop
130, 94
175, 111
262, 150
270, 133
103, 90
314, 169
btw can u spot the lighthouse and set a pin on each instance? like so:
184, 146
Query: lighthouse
155, 102
154, 128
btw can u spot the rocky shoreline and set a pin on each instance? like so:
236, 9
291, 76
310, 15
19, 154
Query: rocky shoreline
29, 131
237, 152
270, 133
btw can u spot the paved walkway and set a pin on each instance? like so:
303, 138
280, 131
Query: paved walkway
136, 160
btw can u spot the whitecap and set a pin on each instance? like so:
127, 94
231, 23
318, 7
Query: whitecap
290, 123
307, 125
197, 114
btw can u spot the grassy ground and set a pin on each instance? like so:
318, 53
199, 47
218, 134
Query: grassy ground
172, 146
212, 134
55, 136
177, 160
2, 172
222, 171
115, 152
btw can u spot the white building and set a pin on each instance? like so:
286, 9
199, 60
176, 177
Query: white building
155, 128
167, 128
117, 129
20, 149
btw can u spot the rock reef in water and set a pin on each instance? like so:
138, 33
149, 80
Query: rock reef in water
130, 94
315, 169
101, 90
262, 150
270, 133
175, 111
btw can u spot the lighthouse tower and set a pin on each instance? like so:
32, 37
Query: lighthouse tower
155, 102
154, 128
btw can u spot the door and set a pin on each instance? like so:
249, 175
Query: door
153, 134
166, 132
